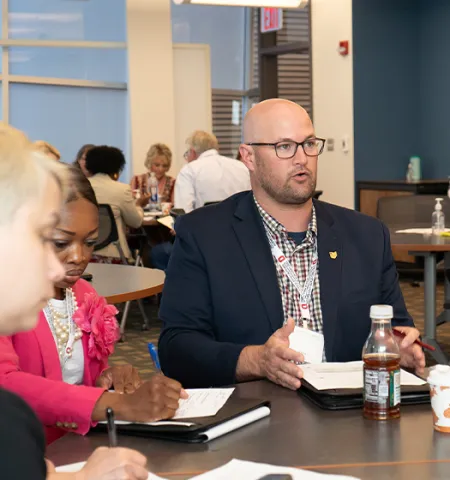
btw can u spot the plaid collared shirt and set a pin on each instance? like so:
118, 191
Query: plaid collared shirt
300, 257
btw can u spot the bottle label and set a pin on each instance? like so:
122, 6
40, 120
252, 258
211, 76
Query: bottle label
382, 387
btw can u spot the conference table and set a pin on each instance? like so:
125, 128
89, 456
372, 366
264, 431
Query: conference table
122, 283
427, 246
299, 434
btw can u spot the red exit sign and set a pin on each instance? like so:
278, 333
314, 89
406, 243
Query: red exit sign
271, 19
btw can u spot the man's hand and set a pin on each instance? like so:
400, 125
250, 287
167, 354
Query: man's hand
411, 354
273, 360
124, 379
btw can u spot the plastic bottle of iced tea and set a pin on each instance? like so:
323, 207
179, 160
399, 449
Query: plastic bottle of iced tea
381, 357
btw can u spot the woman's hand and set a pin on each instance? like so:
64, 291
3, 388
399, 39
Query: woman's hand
114, 464
143, 199
107, 464
124, 379
157, 399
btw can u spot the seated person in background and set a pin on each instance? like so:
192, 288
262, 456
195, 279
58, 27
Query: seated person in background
104, 165
61, 367
48, 149
29, 212
80, 159
158, 161
208, 176
228, 305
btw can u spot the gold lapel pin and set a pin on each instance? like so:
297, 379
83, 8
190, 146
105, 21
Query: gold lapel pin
333, 255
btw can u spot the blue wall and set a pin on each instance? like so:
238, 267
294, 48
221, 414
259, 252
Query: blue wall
386, 87
435, 87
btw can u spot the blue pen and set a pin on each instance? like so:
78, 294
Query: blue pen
154, 354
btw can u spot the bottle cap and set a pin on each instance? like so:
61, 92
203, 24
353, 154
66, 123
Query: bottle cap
438, 205
439, 375
383, 312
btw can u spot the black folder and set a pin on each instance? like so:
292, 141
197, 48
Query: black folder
196, 433
348, 398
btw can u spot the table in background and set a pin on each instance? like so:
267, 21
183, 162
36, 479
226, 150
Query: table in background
368, 192
296, 434
122, 283
427, 246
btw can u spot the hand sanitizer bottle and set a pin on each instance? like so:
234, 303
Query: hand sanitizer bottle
438, 219
409, 174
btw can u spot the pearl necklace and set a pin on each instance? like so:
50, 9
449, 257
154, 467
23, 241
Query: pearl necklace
66, 333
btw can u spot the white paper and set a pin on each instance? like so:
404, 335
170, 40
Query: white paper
420, 231
167, 221
307, 342
203, 402
76, 467
326, 376
153, 213
239, 469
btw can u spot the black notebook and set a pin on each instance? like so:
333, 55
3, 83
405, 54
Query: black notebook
347, 398
235, 414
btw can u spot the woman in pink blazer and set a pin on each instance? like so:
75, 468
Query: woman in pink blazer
61, 367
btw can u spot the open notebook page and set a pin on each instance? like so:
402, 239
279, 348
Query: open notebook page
324, 376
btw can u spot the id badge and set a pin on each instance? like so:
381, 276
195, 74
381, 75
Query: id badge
306, 316
309, 343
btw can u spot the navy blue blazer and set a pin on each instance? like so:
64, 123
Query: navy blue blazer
221, 291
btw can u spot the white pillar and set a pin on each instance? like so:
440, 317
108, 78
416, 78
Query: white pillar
150, 82
333, 97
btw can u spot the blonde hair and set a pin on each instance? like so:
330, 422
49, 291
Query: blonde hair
201, 141
47, 148
24, 172
158, 150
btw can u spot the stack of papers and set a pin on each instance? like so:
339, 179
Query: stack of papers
325, 376
237, 469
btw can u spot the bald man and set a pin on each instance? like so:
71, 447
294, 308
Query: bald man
265, 264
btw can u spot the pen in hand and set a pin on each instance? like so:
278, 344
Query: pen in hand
112, 432
423, 345
154, 354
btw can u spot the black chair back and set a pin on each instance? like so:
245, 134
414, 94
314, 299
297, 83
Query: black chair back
107, 230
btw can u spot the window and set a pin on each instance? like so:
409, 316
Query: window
96, 20
76, 115
294, 75
67, 72
225, 32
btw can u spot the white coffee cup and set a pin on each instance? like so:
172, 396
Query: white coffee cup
439, 382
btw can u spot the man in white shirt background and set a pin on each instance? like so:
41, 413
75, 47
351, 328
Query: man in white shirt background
208, 176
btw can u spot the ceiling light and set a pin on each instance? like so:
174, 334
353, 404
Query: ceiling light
247, 3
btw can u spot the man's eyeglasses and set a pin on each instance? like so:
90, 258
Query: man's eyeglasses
288, 148
186, 154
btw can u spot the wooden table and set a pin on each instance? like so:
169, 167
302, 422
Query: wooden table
427, 246
121, 283
296, 434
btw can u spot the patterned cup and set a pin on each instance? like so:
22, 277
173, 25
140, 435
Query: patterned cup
439, 381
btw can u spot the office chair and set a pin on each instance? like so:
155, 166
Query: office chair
109, 235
